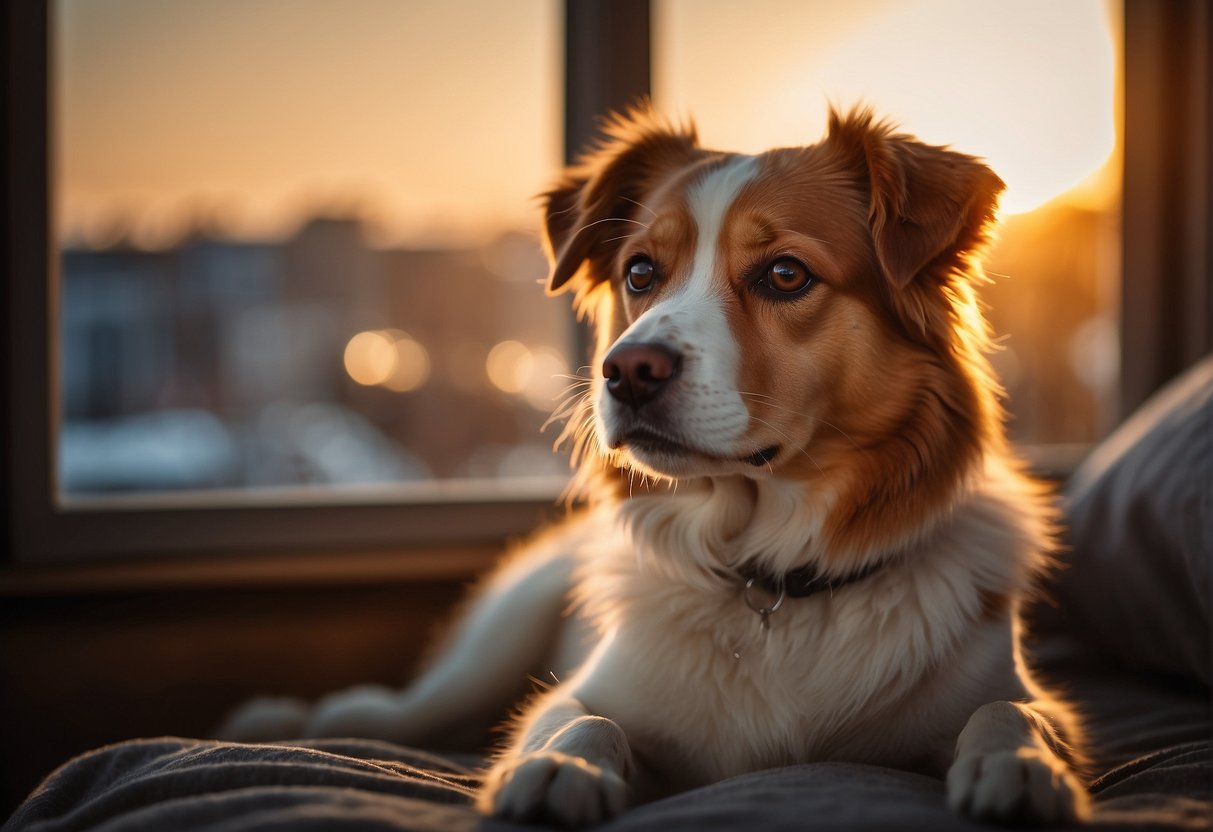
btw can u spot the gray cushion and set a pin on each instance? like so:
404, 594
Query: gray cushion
1140, 515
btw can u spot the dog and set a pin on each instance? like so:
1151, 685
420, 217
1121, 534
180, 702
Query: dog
804, 534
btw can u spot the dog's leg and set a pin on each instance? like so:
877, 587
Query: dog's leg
1008, 769
510, 631
515, 626
567, 767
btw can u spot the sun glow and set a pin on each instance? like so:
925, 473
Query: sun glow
1029, 86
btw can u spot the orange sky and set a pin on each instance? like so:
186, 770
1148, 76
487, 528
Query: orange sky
441, 119
438, 116
1028, 84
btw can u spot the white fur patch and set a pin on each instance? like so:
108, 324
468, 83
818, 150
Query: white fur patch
908, 644
710, 415
709, 201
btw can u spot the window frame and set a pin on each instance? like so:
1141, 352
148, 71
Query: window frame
44, 529
1166, 297
607, 66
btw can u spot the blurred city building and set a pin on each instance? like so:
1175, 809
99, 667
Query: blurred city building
320, 359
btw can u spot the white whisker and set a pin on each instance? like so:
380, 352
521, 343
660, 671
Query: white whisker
621, 237
608, 219
640, 204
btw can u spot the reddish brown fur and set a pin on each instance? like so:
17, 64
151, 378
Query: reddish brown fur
591, 207
892, 338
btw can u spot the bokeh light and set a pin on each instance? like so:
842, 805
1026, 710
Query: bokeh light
537, 373
412, 366
370, 358
548, 378
509, 365
387, 357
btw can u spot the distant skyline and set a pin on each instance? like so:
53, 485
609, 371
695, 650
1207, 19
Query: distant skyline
439, 121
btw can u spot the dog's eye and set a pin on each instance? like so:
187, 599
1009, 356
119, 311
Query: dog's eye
640, 275
788, 277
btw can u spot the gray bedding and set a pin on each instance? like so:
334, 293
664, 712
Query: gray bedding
178, 784
1125, 632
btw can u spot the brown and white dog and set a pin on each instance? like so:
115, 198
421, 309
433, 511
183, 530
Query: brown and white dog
816, 539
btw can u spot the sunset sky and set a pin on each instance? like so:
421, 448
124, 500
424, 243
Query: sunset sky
440, 120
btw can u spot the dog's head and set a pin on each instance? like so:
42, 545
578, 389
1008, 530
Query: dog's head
805, 313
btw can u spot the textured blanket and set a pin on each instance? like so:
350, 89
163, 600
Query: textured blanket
177, 784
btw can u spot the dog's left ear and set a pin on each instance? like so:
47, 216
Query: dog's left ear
927, 202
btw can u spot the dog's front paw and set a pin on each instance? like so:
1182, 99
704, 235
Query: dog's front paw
1020, 786
366, 711
555, 788
265, 719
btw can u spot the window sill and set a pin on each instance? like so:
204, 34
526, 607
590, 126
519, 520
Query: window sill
208, 524
264, 571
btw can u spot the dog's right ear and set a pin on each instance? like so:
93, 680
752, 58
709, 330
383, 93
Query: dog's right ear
590, 210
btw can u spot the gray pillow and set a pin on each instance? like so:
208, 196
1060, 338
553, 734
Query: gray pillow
1140, 517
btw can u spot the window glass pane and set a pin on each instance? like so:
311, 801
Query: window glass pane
297, 242
1031, 86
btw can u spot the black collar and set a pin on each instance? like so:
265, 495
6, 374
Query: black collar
806, 581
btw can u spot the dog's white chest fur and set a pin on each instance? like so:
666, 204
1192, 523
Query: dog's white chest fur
849, 675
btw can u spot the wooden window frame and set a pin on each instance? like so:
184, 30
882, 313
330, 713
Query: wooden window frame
1167, 228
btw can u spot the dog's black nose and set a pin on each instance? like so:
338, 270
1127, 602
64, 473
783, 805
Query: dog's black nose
637, 373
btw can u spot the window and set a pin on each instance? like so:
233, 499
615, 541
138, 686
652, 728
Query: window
306, 263
188, 302
1165, 318
297, 244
